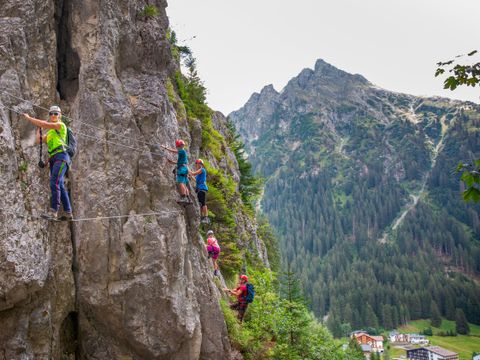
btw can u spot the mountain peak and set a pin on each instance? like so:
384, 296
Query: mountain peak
322, 64
324, 68
268, 90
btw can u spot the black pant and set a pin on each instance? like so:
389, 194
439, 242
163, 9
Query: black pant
202, 197
241, 307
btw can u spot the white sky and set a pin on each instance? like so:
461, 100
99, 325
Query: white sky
242, 46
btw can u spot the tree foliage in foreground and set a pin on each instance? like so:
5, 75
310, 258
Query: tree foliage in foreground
278, 324
469, 75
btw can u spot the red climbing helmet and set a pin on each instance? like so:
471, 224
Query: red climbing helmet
199, 161
244, 277
179, 143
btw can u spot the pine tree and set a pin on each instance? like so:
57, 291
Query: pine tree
348, 314
449, 306
290, 286
461, 324
370, 319
334, 325
387, 317
345, 329
355, 348
295, 319
436, 320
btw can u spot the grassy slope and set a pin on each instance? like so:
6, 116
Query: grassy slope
418, 325
463, 345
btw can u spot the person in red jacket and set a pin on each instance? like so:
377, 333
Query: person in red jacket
241, 293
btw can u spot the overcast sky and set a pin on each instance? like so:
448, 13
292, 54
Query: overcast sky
241, 46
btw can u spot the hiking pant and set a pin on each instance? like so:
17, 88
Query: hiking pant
240, 307
58, 167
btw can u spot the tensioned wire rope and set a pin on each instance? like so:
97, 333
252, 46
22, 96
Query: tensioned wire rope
76, 120
37, 217
97, 138
98, 217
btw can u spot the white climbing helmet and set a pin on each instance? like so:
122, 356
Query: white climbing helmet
55, 108
209, 232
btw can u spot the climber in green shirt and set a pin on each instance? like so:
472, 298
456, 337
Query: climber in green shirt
59, 160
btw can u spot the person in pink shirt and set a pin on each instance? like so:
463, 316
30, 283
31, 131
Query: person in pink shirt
213, 250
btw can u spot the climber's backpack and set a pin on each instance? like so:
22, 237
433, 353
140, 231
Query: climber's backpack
250, 293
71, 145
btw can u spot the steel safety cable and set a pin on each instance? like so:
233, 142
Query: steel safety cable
99, 139
79, 121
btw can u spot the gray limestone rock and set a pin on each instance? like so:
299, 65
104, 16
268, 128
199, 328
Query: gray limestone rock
141, 286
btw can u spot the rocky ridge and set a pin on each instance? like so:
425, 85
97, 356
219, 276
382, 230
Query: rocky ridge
361, 180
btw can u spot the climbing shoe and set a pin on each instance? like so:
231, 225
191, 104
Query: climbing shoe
204, 220
68, 216
52, 214
185, 199
216, 273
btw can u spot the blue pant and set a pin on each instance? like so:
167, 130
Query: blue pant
58, 167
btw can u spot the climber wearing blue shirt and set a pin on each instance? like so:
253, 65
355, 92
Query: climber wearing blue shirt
181, 170
201, 188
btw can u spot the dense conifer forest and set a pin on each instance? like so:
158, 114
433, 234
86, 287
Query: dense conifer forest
363, 193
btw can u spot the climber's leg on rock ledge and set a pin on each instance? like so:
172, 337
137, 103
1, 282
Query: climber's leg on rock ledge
202, 197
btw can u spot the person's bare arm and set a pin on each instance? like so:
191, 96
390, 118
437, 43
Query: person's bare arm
236, 292
173, 151
233, 292
43, 124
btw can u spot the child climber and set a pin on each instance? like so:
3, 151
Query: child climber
182, 169
213, 250
58, 159
201, 188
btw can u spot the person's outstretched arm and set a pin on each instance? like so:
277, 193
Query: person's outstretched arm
42, 123
233, 292
174, 151
196, 172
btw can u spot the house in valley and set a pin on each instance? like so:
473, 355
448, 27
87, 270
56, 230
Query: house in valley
375, 342
367, 350
418, 339
396, 337
431, 353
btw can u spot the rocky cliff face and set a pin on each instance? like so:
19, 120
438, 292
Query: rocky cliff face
137, 287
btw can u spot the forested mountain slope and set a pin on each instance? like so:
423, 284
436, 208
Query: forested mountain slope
360, 187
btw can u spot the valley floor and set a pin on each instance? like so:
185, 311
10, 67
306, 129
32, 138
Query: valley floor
463, 345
